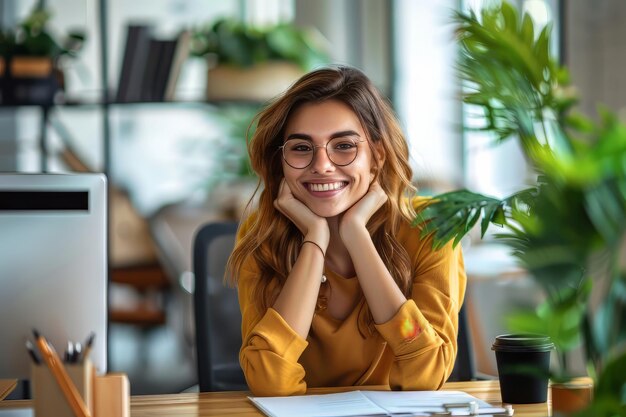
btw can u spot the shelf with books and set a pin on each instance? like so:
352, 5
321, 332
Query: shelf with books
151, 66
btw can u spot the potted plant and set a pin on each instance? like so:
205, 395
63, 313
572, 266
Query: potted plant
29, 59
223, 178
233, 183
569, 227
255, 63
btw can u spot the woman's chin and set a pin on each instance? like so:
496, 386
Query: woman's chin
327, 212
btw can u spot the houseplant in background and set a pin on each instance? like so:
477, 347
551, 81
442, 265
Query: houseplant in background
233, 183
567, 229
224, 180
255, 63
30, 60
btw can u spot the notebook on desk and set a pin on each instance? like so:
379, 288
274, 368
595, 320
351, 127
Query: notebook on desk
377, 403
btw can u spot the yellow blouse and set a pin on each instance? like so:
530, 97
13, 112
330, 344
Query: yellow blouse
415, 350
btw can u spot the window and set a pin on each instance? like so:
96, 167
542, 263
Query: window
500, 170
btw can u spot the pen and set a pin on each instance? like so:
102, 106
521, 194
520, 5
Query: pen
69, 352
78, 350
471, 406
31, 351
88, 345
60, 374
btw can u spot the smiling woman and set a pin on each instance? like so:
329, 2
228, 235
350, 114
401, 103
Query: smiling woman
333, 163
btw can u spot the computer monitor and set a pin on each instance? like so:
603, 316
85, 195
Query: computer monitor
53, 268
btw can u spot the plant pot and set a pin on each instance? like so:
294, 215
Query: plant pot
258, 83
570, 397
29, 81
31, 67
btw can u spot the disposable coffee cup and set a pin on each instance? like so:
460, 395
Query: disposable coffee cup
523, 367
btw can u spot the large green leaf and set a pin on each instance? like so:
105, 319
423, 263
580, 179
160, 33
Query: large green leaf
452, 215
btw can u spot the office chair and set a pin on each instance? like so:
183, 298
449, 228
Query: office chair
464, 365
216, 308
218, 318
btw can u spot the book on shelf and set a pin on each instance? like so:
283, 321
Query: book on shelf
133, 63
153, 62
181, 53
151, 67
163, 69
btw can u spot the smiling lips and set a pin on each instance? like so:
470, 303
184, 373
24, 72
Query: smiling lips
330, 186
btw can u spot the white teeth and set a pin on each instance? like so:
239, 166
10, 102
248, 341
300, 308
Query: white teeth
326, 187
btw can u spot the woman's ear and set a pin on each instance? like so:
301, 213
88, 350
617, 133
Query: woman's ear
378, 160
378, 153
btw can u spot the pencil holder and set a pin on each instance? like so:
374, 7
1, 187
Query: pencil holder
48, 399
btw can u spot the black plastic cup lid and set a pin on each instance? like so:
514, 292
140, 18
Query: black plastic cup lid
522, 343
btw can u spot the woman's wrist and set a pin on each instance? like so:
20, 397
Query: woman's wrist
318, 239
322, 251
319, 235
349, 231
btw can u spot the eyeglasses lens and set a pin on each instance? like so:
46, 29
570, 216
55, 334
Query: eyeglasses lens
299, 153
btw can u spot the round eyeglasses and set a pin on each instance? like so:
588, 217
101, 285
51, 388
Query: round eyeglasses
299, 153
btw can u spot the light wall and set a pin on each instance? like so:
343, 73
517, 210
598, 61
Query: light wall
595, 52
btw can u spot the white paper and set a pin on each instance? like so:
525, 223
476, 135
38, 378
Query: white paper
372, 403
326, 405
17, 412
424, 402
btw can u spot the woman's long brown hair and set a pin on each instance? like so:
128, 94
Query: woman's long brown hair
272, 240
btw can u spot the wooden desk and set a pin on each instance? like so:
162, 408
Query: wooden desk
236, 404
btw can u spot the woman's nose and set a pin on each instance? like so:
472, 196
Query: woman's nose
321, 162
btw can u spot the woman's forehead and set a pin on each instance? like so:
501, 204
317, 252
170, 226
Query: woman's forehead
323, 119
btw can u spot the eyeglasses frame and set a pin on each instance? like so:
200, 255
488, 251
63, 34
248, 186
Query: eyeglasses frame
282, 149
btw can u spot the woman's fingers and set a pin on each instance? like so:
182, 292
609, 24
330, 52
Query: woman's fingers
291, 207
359, 214
370, 203
298, 213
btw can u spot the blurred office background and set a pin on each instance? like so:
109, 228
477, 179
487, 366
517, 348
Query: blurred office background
174, 164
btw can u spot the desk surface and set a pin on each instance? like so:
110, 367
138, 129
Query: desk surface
236, 403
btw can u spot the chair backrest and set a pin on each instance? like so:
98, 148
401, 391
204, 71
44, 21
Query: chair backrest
216, 308
464, 365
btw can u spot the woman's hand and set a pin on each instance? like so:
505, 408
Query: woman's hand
357, 216
312, 226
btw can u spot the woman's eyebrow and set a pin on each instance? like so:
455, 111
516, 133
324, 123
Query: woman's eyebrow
300, 136
344, 133
340, 134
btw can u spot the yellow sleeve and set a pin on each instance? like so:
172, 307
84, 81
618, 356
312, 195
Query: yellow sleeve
422, 334
270, 350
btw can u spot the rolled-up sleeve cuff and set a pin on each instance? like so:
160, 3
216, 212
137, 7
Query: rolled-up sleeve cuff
280, 337
408, 332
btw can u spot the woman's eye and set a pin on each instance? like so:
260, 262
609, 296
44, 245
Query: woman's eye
344, 146
302, 147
